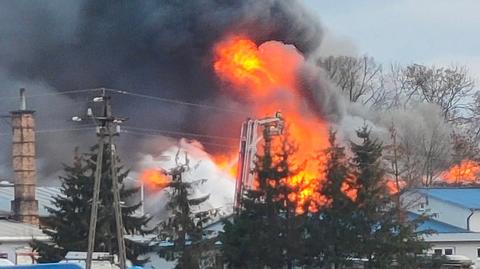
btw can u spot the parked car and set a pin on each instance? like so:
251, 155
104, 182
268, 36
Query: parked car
457, 262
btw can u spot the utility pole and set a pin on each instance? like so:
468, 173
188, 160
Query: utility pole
106, 129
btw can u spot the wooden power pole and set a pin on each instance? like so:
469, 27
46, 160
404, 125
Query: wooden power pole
106, 130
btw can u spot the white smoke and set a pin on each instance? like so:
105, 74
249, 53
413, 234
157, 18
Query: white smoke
219, 184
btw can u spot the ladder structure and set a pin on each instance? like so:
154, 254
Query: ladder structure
250, 137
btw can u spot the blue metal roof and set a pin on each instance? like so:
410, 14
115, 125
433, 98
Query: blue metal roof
468, 198
436, 226
46, 266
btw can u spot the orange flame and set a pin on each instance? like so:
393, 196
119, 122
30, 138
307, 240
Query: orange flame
467, 171
227, 164
392, 185
154, 178
267, 76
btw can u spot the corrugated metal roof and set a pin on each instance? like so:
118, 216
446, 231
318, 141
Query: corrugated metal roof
17, 231
463, 197
437, 226
44, 196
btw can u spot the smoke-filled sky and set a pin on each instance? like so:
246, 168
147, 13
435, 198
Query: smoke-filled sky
427, 31
165, 48
159, 48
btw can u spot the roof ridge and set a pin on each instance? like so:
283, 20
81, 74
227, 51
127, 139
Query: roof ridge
455, 196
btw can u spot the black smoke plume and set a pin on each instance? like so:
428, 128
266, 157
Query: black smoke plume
161, 48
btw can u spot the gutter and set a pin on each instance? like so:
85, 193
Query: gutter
472, 211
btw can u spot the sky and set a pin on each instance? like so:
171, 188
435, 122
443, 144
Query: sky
439, 32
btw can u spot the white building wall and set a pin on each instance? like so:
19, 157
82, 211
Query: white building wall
449, 213
14, 248
443, 211
467, 249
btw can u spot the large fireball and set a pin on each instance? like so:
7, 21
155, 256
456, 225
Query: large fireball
267, 76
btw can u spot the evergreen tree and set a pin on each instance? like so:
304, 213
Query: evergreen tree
330, 229
267, 232
68, 222
383, 236
245, 240
184, 226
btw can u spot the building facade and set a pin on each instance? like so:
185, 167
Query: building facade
455, 219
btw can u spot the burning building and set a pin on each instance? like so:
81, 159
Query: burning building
230, 60
225, 61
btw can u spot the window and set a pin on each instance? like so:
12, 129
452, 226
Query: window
478, 252
447, 251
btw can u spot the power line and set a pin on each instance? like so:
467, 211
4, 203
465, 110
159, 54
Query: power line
65, 130
181, 133
202, 142
52, 94
145, 96
58, 130
177, 102
138, 131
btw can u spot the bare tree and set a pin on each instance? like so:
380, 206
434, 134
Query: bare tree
473, 125
360, 79
465, 147
451, 88
420, 144
396, 88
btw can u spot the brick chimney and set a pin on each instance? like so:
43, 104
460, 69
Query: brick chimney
24, 206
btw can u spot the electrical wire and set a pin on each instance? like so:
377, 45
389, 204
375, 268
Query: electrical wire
176, 102
143, 132
129, 93
138, 130
65, 130
46, 131
202, 142
180, 133
52, 94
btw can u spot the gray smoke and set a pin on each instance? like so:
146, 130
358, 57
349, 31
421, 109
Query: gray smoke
161, 48
57, 136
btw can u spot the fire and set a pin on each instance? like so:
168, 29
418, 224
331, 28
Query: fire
267, 76
467, 171
154, 178
227, 163
257, 71
392, 185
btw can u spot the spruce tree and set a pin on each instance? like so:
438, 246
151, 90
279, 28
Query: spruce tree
330, 229
245, 240
68, 220
267, 232
183, 229
383, 236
